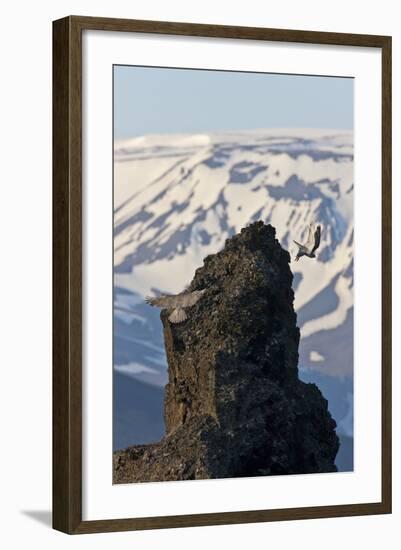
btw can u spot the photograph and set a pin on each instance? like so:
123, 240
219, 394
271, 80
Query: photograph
233, 256
199, 209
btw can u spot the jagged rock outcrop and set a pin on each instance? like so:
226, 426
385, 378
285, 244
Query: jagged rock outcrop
234, 405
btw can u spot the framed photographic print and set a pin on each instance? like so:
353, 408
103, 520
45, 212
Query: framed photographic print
222, 274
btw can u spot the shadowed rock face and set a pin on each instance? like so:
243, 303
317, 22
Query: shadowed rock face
234, 405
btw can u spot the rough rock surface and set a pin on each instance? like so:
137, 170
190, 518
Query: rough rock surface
234, 405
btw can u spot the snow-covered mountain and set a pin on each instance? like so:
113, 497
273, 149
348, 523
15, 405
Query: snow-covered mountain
177, 198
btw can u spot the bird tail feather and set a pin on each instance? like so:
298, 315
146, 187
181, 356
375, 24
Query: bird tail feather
177, 316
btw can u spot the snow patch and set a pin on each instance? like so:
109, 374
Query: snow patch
316, 357
132, 369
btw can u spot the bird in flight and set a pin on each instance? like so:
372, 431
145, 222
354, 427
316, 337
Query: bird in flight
311, 245
177, 302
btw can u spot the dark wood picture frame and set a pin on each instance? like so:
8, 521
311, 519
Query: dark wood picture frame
67, 274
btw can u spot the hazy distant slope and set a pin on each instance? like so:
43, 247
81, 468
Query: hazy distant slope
138, 412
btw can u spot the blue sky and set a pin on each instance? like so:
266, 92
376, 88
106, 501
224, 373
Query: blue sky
150, 100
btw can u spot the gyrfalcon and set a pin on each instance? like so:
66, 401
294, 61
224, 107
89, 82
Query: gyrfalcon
178, 303
312, 244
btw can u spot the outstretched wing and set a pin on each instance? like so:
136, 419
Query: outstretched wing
164, 301
311, 238
316, 239
191, 298
301, 247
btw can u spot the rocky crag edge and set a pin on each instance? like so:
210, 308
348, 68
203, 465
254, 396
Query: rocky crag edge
234, 405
